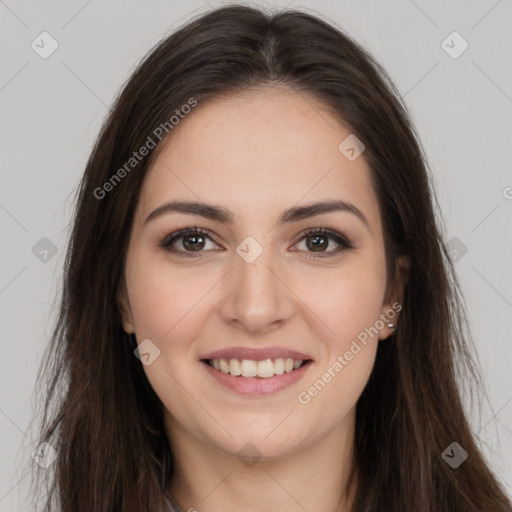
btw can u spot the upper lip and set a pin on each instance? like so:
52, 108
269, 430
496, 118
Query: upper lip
256, 354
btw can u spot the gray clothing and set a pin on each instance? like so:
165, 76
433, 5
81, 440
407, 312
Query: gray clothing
173, 506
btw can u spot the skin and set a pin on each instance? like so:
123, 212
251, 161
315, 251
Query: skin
257, 154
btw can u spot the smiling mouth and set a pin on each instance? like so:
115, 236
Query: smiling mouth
264, 369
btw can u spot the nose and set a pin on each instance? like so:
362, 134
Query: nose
257, 297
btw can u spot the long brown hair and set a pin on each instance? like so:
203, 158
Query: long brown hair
99, 411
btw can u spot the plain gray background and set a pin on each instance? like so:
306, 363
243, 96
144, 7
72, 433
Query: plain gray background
51, 110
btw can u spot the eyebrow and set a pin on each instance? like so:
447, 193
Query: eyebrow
224, 216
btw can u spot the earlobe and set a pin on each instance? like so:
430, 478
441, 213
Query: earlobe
388, 324
125, 309
389, 319
393, 305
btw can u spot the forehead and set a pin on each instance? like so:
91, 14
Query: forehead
259, 151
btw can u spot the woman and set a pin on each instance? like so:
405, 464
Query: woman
259, 312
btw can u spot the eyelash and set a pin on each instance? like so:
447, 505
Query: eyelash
342, 241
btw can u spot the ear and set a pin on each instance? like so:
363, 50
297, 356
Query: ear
124, 308
392, 305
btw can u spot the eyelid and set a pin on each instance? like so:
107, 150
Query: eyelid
336, 235
180, 233
343, 241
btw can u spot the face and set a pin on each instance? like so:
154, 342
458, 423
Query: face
288, 300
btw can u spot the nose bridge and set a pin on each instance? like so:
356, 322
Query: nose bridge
256, 296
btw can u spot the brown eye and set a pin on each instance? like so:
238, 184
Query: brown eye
193, 242
188, 240
318, 240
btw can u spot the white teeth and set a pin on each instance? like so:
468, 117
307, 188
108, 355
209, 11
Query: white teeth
279, 366
266, 368
234, 367
250, 368
224, 366
288, 365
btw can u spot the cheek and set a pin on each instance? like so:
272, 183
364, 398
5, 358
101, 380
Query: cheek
163, 300
166, 307
347, 303
333, 390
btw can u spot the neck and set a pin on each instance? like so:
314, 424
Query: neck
313, 477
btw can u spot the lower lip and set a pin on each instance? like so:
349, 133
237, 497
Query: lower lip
256, 385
